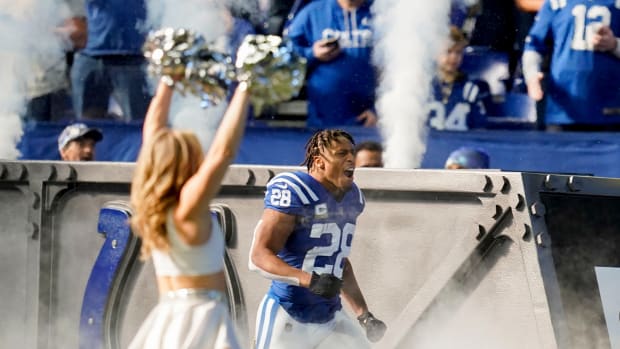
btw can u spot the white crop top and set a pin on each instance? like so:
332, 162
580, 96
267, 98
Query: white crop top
184, 259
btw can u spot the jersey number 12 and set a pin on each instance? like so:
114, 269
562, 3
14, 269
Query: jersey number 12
587, 23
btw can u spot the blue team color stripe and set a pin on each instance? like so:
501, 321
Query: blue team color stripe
259, 331
309, 190
273, 311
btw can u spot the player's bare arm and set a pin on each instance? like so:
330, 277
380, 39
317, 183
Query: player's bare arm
270, 235
352, 294
351, 291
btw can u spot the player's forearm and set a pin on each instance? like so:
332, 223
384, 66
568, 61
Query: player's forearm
351, 291
271, 267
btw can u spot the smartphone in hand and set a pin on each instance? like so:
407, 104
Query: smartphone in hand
331, 42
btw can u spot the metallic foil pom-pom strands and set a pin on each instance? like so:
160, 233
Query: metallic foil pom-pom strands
208, 75
266, 64
272, 70
184, 56
165, 50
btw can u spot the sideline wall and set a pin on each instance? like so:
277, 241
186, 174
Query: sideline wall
447, 258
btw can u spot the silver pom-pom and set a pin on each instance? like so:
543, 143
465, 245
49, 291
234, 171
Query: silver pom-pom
183, 56
271, 68
265, 64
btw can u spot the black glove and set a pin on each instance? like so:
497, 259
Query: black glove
325, 285
374, 327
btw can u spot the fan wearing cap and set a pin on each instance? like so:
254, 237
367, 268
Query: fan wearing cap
77, 142
467, 158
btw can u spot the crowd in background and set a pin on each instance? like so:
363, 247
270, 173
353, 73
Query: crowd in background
569, 67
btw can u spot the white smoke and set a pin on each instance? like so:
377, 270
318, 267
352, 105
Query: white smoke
410, 35
203, 16
209, 18
28, 49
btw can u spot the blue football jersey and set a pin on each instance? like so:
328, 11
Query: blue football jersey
319, 243
458, 106
583, 84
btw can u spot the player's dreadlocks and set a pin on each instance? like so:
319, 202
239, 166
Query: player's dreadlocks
321, 140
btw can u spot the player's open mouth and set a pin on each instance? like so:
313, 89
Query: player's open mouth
349, 172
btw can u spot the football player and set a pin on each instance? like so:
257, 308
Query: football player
302, 243
582, 87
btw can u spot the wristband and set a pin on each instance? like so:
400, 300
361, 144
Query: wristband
616, 52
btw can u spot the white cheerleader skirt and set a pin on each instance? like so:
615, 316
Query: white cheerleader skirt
188, 319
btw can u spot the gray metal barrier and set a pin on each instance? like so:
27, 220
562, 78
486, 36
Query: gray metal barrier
448, 259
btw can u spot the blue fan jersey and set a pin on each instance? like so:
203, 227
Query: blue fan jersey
116, 27
460, 106
583, 85
319, 243
339, 90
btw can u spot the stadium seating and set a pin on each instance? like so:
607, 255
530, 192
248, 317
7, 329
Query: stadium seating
512, 111
481, 62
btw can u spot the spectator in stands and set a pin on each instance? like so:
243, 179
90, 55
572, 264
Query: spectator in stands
467, 158
495, 25
500, 26
277, 15
369, 154
336, 37
463, 14
529, 5
581, 88
112, 63
248, 10
274, 15
49, 97
458, 102
77, 142
237, 28
524, 18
